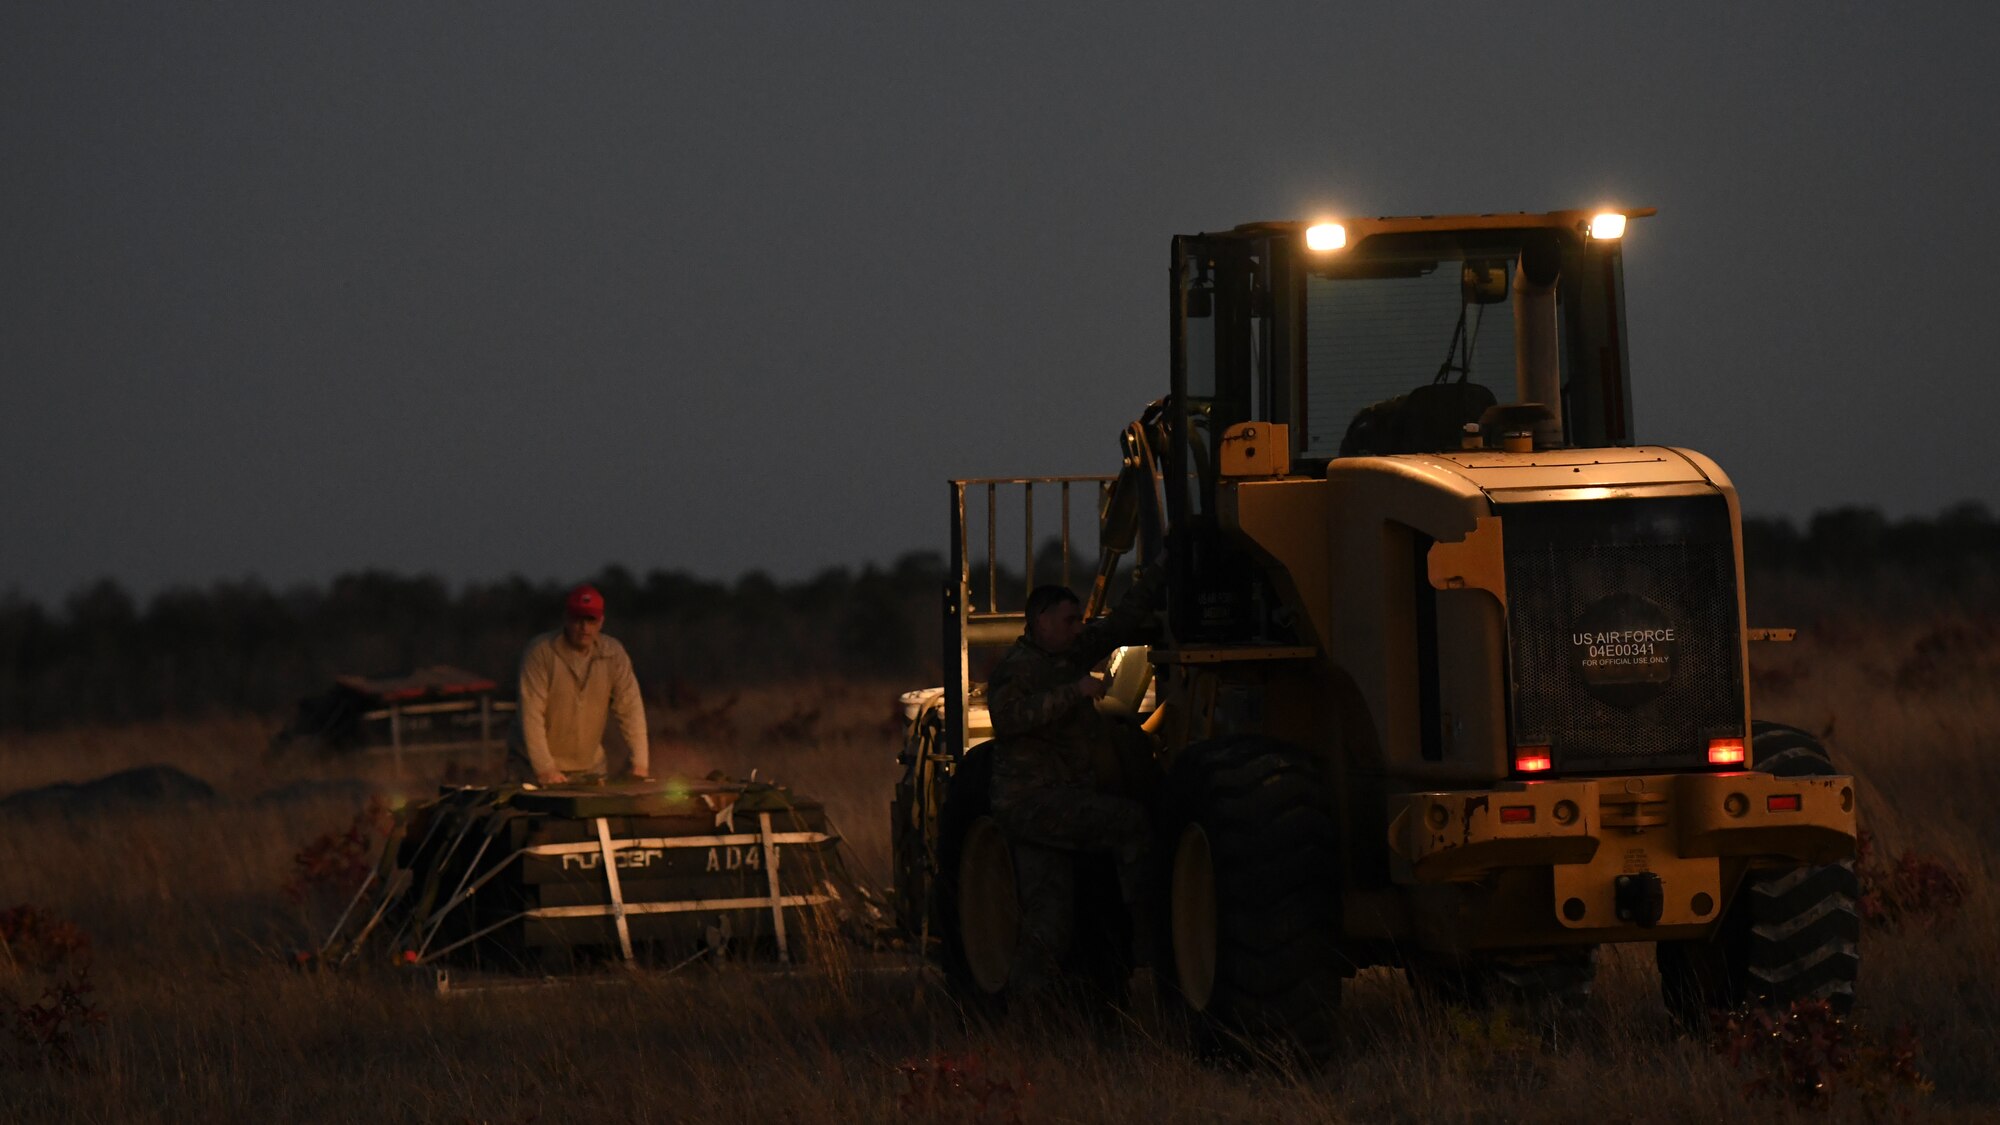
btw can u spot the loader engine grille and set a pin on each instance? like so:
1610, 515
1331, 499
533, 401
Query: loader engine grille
1622, 628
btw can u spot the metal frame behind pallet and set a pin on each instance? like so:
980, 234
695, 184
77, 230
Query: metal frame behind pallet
489, 740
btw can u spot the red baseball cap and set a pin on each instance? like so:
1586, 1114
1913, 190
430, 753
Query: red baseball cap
585, 601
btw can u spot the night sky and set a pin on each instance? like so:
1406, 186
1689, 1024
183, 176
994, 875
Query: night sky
293, 289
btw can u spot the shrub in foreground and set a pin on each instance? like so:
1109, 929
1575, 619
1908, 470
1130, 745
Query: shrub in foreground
1812, 1057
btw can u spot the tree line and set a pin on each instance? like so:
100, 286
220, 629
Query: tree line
102, 656
1964, 539
243, 646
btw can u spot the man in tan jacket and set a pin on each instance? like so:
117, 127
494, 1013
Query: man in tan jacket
573, 683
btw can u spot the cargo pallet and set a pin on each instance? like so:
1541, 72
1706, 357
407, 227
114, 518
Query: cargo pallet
516, 878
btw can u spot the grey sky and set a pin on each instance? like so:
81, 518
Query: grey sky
287, 290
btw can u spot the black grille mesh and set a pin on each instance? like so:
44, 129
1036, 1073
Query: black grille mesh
1564, 558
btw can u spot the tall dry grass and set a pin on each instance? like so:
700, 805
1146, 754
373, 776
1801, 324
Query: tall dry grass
206, 1022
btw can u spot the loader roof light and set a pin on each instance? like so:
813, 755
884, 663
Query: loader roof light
1725, 752
1607, 225
1326, 236
1532, 759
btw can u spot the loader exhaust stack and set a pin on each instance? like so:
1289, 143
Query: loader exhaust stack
1537, 336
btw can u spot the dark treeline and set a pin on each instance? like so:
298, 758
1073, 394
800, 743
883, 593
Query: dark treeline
1852, 562
241, 646
1858, 541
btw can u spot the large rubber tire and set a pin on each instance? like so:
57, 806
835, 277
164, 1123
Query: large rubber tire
966, 813
1250, 940
977, 908
1790, 934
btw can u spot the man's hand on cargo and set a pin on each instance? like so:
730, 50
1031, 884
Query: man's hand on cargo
1090, 686
552, 777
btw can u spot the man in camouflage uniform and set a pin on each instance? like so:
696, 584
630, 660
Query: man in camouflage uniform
1048, 737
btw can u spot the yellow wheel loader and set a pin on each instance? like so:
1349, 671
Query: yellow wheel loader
1451, 674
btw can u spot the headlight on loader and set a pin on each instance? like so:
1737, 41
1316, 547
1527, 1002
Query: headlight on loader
1322, 237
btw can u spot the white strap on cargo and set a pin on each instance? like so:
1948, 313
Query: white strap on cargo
771, 878
617, 893
738, 839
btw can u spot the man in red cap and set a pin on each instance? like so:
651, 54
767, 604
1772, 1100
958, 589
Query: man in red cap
574, 683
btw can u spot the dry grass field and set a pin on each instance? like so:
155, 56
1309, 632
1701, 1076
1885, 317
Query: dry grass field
199, 1016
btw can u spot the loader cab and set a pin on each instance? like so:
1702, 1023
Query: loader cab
1373, 337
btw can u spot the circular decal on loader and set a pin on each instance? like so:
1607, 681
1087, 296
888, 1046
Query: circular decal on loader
1623, 647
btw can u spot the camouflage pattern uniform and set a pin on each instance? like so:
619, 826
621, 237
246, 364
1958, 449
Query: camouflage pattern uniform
1047, 735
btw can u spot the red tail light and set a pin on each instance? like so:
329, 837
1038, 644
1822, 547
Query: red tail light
1725, 752
1782, 802
1517, 814
1532, 759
